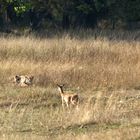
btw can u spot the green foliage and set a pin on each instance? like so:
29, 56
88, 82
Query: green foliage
22, 8
70, 13
100, 4
84, 8
132, 10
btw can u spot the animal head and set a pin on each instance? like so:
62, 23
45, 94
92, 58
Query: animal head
15, 79
60, 87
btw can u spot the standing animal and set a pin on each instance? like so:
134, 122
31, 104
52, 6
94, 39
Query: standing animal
67, 97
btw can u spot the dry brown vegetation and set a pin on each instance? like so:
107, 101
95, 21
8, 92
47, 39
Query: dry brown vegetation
103, 69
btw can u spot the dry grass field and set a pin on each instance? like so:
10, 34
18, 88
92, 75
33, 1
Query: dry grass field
103, 67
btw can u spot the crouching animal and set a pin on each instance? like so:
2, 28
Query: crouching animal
23, 80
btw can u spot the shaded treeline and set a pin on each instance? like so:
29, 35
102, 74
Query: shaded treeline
64, 14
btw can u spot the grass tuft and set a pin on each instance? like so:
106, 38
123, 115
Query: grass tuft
103, 71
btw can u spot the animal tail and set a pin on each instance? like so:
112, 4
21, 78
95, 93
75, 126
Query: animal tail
75, 99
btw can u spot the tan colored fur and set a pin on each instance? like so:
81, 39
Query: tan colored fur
23, 80
68, 98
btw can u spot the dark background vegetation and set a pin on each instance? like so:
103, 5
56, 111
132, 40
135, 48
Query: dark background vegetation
66, 14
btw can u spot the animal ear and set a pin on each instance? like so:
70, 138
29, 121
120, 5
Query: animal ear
62, 85
17, 77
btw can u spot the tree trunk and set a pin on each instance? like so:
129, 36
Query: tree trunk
65, 21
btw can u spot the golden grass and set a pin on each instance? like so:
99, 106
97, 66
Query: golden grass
108, 114
104, 71
86, 63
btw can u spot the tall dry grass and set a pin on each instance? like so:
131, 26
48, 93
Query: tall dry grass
103, 67
85, 62
108, 114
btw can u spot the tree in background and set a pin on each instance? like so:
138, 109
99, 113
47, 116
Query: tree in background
65, 14
131, 12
